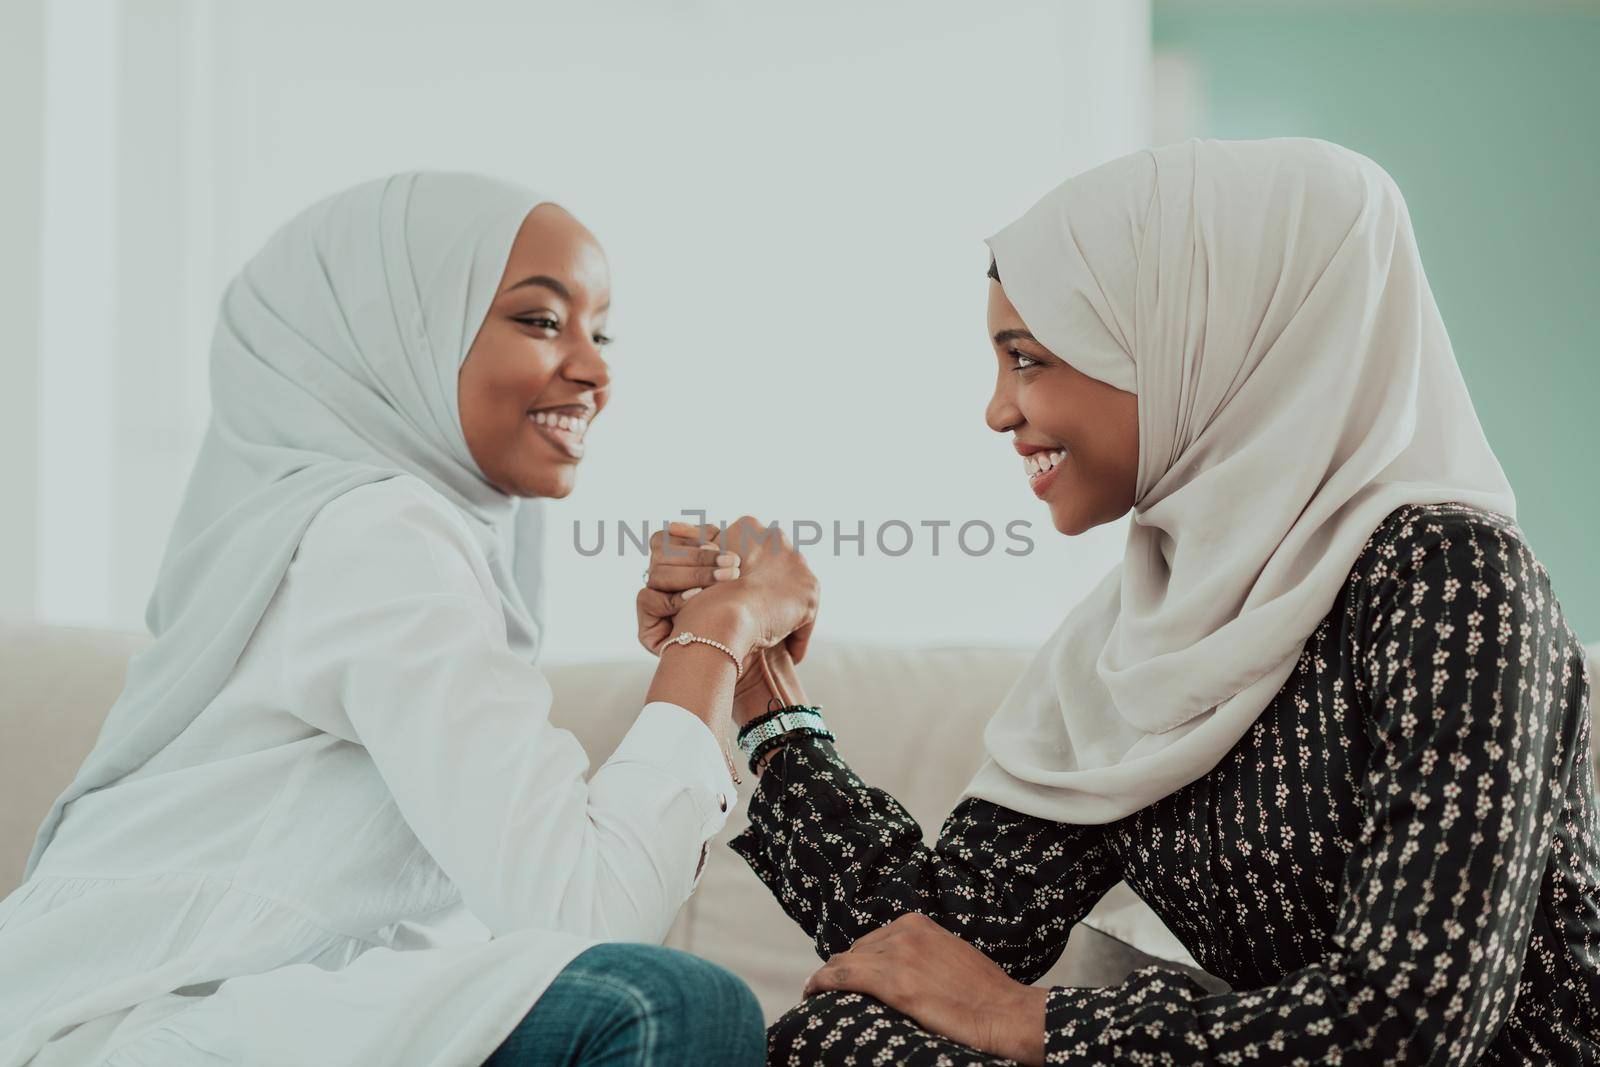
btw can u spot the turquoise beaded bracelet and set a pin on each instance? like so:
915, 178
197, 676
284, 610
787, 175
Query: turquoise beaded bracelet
765, 732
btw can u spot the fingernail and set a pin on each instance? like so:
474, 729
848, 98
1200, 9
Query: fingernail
688, 593
728, 559
725, 574
709, 544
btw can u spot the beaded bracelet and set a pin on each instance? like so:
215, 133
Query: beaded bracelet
766, 732
767, 716
687, 638
773, 743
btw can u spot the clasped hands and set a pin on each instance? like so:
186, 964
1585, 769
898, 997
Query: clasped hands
747, 587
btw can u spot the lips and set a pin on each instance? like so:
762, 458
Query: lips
1041, 467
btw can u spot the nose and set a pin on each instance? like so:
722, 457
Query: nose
1002, 414
587, 366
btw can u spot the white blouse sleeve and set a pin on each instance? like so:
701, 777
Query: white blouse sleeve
395, 641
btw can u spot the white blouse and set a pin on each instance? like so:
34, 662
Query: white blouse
371, 848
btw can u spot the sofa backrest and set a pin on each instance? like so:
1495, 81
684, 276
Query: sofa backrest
55, 686
910, 721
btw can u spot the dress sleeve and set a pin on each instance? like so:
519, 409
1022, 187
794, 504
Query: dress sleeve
844, 859
394, 641
1470, 690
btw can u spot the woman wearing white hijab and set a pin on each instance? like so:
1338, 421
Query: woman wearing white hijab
328, 821
1325, 718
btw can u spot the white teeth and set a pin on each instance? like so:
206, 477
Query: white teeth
575, 425
1040, 462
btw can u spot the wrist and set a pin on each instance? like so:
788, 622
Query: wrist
759, 737
754, 695
1020, 1027
726, 622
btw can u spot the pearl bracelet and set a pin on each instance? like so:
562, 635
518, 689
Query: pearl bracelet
687, 638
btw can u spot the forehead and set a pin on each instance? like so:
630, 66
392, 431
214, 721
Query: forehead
1002, 314
553, 243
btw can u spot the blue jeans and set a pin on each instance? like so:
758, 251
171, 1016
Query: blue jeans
639, 1004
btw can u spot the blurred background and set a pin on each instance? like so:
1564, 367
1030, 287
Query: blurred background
794, 201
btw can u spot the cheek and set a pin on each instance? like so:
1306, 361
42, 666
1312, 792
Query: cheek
507, 377
1056, 412
1093, 483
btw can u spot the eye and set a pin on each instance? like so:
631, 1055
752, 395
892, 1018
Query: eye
538, 320
602, 339
1024, 361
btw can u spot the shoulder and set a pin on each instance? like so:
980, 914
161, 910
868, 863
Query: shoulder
1421, 544
1455, 615
403, 502
401, 536
1459, 575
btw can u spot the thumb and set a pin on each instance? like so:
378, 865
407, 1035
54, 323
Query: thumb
655, 610
658, 604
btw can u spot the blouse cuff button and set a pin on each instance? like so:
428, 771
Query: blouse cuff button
722, 801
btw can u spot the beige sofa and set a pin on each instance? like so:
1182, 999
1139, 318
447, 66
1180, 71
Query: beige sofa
909, 720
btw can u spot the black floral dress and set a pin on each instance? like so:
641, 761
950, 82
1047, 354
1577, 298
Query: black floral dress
1398, 864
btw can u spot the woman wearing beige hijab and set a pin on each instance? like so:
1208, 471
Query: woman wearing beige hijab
1326, 717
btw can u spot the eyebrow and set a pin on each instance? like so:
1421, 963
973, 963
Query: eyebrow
555, 287
548, 282
1005, 336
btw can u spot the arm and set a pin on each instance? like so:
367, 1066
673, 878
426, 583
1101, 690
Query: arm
396, 643
845, 859
1464, 650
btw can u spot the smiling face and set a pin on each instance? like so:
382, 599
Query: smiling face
535, 377
1078, 437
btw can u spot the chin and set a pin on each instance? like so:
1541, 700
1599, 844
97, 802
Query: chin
1071, 526
1070, 521
553, 484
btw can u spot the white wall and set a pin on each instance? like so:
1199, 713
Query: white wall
793, 200
21, 131
82, 360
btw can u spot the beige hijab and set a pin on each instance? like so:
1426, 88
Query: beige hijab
1266, 302
334, 365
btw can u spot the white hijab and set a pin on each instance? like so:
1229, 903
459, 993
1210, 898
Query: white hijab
334, 364
1266, 302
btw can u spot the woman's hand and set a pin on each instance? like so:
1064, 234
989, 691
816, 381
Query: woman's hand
783, 589
698, 678
683, 560
917, 967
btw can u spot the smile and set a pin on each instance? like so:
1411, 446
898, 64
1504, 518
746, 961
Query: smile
1041, 469
562, 428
